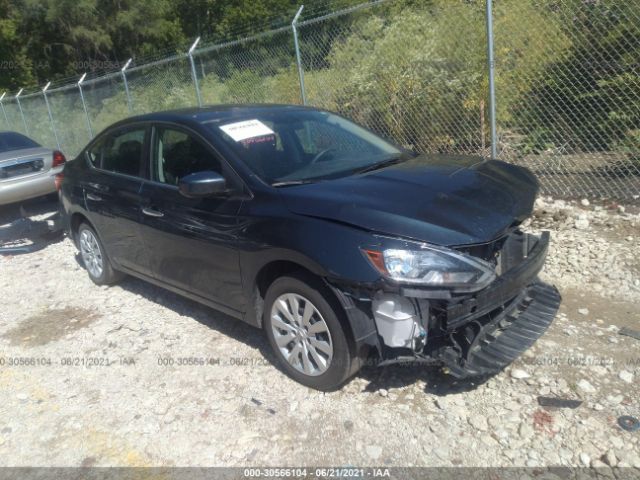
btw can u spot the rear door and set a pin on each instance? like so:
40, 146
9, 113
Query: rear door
112, 193
192, 241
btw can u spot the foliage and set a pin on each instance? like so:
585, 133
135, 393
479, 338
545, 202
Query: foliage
414, 71
15, 66
589, 99
54, 39
413, 77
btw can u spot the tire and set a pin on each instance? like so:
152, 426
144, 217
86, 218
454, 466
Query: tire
94, 257
324, 369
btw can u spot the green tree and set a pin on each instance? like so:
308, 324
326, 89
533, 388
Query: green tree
16, 69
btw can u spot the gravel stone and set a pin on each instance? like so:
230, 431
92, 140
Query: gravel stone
610, 458
626, 376
373, 451
479, 422
519, 374
585, 459
581, 223
586, 387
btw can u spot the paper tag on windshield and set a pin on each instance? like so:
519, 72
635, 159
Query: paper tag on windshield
247, 129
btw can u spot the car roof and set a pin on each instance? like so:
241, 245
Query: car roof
212, 112
13, 132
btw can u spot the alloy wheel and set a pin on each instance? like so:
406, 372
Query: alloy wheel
301, 334
91, 253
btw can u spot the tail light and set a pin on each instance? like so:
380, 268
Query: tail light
57, 179
58, 159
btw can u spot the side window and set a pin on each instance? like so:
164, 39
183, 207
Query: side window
177, 154
119, 152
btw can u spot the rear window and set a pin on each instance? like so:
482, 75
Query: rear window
15, 141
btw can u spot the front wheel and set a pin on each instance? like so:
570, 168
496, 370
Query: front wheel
306, 334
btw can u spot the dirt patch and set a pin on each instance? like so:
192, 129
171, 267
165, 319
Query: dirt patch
50, 326
599, 311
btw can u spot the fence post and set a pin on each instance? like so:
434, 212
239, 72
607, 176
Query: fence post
24, 120
492, 86
6, 119
303, 93
193, 71
126, 85
53, 127
84, 106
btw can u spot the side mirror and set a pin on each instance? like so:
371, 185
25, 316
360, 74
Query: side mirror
202, 184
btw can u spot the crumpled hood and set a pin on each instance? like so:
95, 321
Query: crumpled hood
443, 200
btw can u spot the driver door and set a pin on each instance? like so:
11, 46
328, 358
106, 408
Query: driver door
191, 241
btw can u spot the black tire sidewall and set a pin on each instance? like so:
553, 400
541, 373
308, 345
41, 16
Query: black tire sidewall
306, 286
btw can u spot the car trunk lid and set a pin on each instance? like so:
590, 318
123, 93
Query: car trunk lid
26, 162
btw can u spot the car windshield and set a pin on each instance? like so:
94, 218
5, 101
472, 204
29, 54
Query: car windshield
15, 141
292, 146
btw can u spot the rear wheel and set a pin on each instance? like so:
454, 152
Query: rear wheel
94, 257
305, 332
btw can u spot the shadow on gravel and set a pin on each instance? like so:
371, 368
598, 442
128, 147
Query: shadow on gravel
29, 226
436, 381
220, 322
35, 206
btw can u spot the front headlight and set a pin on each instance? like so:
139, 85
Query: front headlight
433, 266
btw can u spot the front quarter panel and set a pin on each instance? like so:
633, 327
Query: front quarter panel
326, 248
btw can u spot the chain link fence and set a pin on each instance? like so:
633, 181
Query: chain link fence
567, 84
569, 94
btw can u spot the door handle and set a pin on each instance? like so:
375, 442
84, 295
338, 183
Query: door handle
98, 186
95, 198
152, 213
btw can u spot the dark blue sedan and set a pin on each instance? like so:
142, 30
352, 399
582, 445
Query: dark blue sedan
342, 246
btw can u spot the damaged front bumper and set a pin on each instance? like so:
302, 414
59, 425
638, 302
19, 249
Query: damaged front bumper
469, 334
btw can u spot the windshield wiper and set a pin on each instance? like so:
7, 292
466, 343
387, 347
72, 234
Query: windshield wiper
382, 164
291, 182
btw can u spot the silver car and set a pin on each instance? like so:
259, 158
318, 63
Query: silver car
27, 170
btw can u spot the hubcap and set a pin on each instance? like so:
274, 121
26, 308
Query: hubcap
91, 254
302, 335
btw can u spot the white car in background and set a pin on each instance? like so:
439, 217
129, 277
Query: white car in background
27, 170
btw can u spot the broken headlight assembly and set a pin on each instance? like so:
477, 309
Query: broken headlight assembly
430, 266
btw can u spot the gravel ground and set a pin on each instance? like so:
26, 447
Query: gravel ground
133, 375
